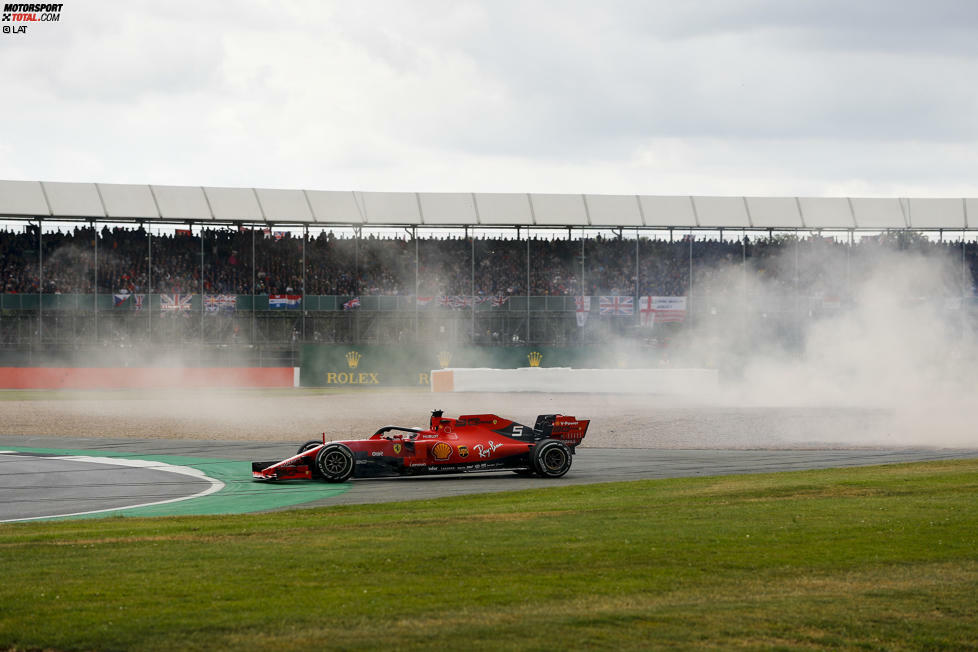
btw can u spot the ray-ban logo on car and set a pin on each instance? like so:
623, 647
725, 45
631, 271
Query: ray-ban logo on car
486, 451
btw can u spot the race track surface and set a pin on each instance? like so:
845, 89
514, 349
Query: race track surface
39, 484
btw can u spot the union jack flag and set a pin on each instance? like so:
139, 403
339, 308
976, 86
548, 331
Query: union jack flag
175, 302
617, 305
352, 303
139, 301
455, 301
217, 302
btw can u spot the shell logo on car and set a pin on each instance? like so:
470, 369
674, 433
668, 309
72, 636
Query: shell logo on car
441, 451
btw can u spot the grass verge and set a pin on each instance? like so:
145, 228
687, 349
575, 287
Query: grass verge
869, 558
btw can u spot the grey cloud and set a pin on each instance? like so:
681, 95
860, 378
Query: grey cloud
577, 78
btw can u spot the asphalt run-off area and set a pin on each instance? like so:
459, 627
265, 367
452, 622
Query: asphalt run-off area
59, 477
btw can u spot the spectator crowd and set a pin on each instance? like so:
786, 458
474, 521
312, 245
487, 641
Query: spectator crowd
237, 261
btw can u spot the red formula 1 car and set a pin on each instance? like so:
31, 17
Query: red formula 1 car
473, 442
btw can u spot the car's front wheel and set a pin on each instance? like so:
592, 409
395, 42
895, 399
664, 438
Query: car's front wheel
551, 458
335, 463
308, 446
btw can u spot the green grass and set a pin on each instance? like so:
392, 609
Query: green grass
872, 558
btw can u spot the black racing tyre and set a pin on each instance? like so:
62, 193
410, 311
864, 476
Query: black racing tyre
551, 458
309, 445
312, 443
335, 463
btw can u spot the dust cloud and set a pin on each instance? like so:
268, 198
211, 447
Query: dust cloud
878, 354
892, 361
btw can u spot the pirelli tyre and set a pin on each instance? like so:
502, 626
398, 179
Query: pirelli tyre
551, 458
308, 446
335, 463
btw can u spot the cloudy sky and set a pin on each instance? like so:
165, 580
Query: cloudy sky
746, 97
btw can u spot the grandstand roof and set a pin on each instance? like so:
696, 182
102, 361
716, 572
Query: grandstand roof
124, 202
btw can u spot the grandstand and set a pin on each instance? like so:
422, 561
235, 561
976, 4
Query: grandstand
249, 275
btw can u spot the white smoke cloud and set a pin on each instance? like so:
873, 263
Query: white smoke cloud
901, 348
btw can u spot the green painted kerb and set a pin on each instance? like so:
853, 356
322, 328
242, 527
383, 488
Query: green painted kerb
240, 494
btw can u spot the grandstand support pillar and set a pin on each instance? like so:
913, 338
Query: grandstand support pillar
472, 282
583, 233
417, 284
253, 319
744, 312
149, 280
964, 267
638, 308
527, 285
966, 290
200, 352
357, 230
797, 311
848, 266
305, 236
689, 288
95, 241
40, 282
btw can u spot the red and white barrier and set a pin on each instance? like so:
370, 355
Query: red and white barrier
145, 377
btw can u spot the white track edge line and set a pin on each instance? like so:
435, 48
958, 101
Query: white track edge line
215, 484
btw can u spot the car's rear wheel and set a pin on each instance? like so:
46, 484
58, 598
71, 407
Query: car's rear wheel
335, 463
551, 458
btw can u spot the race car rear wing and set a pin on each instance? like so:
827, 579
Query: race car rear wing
570, 430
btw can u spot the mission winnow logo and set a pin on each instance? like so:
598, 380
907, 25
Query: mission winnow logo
28, 13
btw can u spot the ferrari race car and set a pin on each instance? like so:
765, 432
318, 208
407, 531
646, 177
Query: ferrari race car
472, 442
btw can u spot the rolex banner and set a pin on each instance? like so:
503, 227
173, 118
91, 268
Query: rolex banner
352, 366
